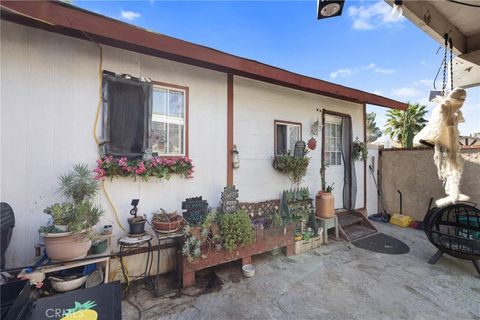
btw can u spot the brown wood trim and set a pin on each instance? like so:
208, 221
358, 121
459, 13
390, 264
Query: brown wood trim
230, 128
339, 114
187, 112
72, 21
365, 162
275, 122
335, 113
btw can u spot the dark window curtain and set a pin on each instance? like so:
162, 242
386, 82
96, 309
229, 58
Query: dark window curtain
350, 178
127, 123
281, 138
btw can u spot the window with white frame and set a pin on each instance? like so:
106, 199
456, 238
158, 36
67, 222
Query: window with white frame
168, 121
142, 117
286, 135
333, 141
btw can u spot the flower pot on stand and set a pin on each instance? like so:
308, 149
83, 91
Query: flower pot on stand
137, 225
325, 205
66, 245
167, 226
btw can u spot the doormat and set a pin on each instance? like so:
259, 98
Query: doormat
382, 243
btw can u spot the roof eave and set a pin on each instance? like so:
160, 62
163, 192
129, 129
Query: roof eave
72, 21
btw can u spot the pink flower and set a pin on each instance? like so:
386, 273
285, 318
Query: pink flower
99, 161
122, 162
140, 168
100, 173
108, 159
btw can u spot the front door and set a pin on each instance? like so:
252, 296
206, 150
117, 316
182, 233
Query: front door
334, 163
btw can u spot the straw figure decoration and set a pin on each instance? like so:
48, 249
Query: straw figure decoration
442, 133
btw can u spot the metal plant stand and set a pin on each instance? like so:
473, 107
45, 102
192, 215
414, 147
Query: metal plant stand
162, 237
130, 243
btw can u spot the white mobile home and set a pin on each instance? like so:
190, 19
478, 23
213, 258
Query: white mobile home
55, 62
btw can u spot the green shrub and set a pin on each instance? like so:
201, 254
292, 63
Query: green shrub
236, 230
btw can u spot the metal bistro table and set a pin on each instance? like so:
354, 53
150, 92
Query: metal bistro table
176, 236
132, 243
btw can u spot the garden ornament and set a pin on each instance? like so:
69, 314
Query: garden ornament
442, 133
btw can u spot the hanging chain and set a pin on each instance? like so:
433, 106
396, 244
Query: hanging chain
444, 85
450, 41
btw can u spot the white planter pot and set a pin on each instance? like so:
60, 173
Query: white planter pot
66, 246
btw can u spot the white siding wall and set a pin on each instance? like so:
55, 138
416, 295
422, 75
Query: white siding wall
256, 106
49, 96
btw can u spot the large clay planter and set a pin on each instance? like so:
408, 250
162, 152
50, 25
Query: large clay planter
165, 226
325, 205
66, 246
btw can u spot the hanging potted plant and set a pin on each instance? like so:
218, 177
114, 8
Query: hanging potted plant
294, 167
359, 150
166, 221
68, 237
325, 202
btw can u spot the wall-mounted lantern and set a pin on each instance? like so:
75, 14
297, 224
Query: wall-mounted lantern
236, 157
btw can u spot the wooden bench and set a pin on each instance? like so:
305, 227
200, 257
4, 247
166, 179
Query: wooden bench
265, 240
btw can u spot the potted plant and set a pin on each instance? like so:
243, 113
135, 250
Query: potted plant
236, 230
136, 223
166, 221
325, 202
69, 235
294, 168
359, 150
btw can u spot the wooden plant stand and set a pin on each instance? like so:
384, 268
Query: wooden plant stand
266, 240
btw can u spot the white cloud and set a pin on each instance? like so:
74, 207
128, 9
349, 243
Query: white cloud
408, 93
384, 71
423, 62
347, 72
377, 92
369, 17
425, 82
130, 15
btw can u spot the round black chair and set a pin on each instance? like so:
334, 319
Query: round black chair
455, 230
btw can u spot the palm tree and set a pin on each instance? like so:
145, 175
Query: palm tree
373, 131
404, 125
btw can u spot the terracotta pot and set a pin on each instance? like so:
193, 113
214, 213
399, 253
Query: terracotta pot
325, 205
66, 246
167, 226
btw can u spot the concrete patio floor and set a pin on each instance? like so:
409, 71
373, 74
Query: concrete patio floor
335, 281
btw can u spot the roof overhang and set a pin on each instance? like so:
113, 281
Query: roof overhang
69, 20
461, 22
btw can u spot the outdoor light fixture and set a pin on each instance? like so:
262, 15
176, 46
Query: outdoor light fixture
329, 8
236, 158
397, 10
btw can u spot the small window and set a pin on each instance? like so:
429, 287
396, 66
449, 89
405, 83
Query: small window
286, 135
168, 121
333, 141
139, 116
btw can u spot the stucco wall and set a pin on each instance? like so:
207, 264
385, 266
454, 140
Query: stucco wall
49, 96
257, 106
413, 172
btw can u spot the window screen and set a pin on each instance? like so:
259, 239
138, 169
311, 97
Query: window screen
287, 135
126, 116
333, 143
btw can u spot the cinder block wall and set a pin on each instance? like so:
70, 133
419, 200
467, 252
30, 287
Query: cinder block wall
414, 173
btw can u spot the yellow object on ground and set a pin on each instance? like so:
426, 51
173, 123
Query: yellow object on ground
401, 220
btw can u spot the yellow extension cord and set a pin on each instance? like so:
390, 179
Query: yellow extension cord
112, 274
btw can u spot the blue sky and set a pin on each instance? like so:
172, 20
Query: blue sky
364, 48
